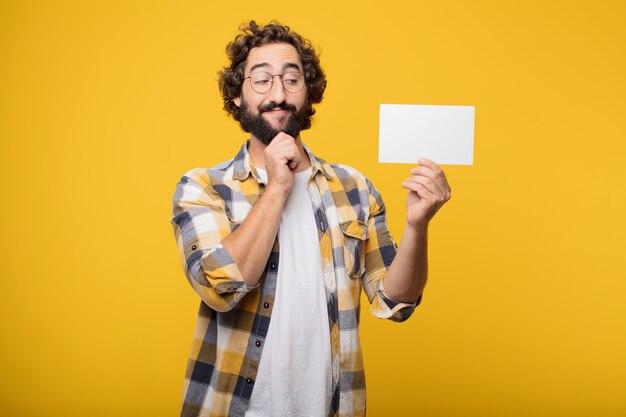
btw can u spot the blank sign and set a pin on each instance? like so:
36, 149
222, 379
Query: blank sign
443, 134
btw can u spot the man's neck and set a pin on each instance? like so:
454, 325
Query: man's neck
256, 149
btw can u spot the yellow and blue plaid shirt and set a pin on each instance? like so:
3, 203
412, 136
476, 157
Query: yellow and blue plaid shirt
356, 250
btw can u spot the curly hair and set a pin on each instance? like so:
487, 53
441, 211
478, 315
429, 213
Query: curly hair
253, 35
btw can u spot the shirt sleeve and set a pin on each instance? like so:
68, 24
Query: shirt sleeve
380, 250
200, 223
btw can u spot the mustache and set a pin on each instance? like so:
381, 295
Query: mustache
273, 105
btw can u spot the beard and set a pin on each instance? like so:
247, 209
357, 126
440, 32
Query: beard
261, 129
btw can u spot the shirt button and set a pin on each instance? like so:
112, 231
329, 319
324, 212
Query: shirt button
249, 381
257, 343
322, 226
273, 266
266, 305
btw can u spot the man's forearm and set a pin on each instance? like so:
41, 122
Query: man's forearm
407, 274
250, 245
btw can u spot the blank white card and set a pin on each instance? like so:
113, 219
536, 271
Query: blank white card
443, 134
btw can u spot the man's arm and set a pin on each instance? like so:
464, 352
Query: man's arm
428, 191
250, 245
223, 265
200, 222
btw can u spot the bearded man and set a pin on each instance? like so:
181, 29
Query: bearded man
278, 244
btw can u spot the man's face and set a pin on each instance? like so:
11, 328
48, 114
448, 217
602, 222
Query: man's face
265, 115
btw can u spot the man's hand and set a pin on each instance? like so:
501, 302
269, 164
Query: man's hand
428, 191
282, 157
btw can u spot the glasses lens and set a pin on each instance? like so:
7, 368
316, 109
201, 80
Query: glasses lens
261, 82
293, 81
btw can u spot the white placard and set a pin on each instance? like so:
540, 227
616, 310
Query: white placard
443, 134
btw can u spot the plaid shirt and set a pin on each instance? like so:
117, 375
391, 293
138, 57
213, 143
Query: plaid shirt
356, 250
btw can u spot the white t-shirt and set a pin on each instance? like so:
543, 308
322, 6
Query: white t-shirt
294, 376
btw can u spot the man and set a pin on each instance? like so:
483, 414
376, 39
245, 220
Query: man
278, 244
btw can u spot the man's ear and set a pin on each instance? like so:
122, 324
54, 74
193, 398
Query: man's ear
237, 101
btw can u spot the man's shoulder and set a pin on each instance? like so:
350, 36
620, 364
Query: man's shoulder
218, 173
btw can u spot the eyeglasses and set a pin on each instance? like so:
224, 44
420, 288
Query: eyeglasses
262, 82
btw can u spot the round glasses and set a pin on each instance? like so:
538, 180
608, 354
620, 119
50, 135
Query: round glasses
262, 82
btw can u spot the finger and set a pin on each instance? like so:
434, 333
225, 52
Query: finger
434, 171
280, 142
439, 179
427, 182
430, 173
436, 195
289, 155
420, 189
283, 137
280, 147
284, 150
286, 142
428, 163
294, 160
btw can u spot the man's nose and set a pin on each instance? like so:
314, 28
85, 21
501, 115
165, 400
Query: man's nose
277, 92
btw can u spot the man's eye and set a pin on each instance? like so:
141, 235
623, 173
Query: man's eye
292, 81
261, 82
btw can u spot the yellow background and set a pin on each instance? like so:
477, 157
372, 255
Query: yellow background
104, 105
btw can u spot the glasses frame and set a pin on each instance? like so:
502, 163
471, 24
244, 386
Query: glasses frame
282, 81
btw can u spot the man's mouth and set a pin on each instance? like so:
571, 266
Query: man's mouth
277, 108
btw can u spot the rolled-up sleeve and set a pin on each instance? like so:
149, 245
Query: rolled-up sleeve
380, 250
200, 223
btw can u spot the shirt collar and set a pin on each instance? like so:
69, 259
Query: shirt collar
243, 167
319, 165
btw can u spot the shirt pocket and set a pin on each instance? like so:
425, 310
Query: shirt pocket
354, 236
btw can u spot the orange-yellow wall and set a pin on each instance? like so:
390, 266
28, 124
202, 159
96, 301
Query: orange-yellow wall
104, 105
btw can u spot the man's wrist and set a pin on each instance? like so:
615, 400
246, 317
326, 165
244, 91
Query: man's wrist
416, 230
276, 191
